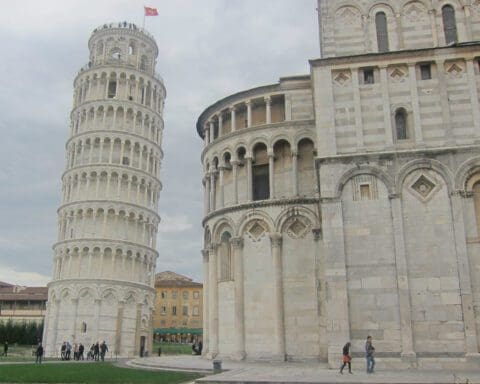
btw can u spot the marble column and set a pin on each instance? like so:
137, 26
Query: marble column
213, 301
233, 119
206, 286
271, 174
277, 263
248, 103
221, 192
235, 181
237, 247
268, 110
249, 178
295, 172
405, 309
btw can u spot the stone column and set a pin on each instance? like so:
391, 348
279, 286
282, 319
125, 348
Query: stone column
249, 178
213, 301
268, 110
277, 263
464, 275
235, 181
96, 323
138, 324
417, 121
444, 101
221, 194
468, 23
357, 109
248, 103
206, 136
405, 309
220, 124
212, 132
433, 25
206, 312
387, 117
295, 172
53, 330
338, 324
118, 329
271, 174
232, 119
237, 247
472, 79
212, 191
74, 318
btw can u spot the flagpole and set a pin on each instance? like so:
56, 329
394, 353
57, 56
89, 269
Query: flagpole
143, 25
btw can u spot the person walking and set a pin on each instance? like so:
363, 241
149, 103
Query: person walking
103, 350
96, 351
63, 350
346, 358
5, 348
369, 351
39, 354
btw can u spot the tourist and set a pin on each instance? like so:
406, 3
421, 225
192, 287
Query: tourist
81, 348
91, 353
96, 351
347, 358
103, 350
369, 351
63, 350
39, 354
75, 351
68, 350
5, 348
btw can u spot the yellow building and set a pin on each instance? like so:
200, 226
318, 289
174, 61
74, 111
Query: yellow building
22, 304
178, 307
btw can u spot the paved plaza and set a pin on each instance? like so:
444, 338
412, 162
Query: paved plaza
304, 372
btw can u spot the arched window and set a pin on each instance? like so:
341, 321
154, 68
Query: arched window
401, 124
382, 31
260, 172
449, 24
225, 257
476, 199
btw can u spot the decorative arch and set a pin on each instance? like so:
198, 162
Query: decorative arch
435, 165
225, 224
307, 219
362, 170
465, 172
247, 221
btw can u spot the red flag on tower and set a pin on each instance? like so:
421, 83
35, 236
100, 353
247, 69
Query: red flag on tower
151, 11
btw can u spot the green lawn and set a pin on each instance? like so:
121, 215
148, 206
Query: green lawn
87, 373
171, 349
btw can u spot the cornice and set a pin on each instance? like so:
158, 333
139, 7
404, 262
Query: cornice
107, 243
109, 202
260, 204
105, 131
394, 154
106, 282
112, 166
110, 101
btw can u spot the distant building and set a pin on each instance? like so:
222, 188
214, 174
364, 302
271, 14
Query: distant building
20, 304
178, 307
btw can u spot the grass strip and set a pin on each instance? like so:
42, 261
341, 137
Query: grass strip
88, 373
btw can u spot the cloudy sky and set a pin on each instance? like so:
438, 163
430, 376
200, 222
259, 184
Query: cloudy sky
208, 50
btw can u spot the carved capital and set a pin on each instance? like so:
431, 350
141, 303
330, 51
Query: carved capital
205, 254
212, 248
276, 240
236, 242
317, 233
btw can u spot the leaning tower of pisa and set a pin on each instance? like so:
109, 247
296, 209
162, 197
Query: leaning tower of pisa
104, 260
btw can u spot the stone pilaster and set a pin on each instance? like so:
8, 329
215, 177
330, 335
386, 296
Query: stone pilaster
213, 301
237, 246
277, 262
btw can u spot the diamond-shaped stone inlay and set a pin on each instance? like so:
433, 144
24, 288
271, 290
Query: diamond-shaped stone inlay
298, 228
397, 75
342, 78
348, 15
423, 186
455, 70
256, 231
415, 13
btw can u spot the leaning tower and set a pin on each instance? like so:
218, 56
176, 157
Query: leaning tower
104, 261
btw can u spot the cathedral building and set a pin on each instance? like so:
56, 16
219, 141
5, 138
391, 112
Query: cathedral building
102, 287
346, 203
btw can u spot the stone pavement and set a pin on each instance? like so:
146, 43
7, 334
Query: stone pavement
296, 372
